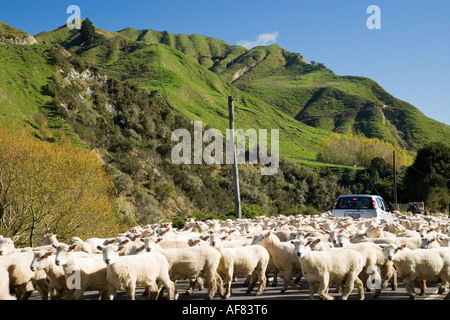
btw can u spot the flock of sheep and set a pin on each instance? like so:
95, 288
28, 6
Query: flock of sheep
364, 253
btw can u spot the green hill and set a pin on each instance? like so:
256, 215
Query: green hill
275, 86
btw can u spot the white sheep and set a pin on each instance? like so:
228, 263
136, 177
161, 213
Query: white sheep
4, 285
21, 278
420, 264
386, 269
7, 245
242, 261
82, 271
429, 241
95, 242
191, 263
337, 265
48, 239
282, 255
127, 272
81, 245
45, 260
376, 231
410, 242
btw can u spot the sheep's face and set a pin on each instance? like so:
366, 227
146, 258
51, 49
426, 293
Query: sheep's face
110, 253
334, 237
301, 247
48, 239
61, 258
428, 242
214, 241
261, 238
40, 260
391, 250
150, 244
342, 240
6, 246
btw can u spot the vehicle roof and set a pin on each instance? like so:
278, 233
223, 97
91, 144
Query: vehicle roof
358, 195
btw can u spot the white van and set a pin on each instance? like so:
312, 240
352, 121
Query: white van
361, 206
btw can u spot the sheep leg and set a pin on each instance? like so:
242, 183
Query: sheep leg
130, 291
422, 284
111, 292
409, 286
200, 283
78, 294
169, 285
262, 284
212, 285
287, 276
152, 291
25, 291
360, 285
42, 287
275, 277
247, 281
444, 283
323, 287
253, 279
228, 279
313, 286
190, 289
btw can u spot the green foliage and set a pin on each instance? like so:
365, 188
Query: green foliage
426, 179
359, 150
87, 31
249, 211
300, 210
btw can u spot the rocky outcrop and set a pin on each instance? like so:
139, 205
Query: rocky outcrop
15, 36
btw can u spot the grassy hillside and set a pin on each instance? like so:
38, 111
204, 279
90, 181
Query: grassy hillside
314, 95
189, 86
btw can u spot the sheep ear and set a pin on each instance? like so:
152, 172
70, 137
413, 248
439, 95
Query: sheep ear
141, 248
73, 247
49, 253
269, 233
292, 242
309, 242
99, 248
159, 240
142, 239
125, 241
120, 248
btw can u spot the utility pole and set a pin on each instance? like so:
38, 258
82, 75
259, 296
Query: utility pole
237, 196
395, 179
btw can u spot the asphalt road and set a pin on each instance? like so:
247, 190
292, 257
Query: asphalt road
273, 293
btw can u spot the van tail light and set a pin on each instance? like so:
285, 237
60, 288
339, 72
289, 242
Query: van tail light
374, 203
335, 203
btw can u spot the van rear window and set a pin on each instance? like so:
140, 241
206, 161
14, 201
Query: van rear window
354, 203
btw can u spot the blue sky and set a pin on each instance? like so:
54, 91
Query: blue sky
408, 56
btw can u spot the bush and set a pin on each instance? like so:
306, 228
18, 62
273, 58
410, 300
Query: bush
249, 211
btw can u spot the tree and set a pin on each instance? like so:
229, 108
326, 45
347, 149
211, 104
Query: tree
426, 179
45, 187
87, 31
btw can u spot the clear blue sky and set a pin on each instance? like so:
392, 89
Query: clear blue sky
409, 56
